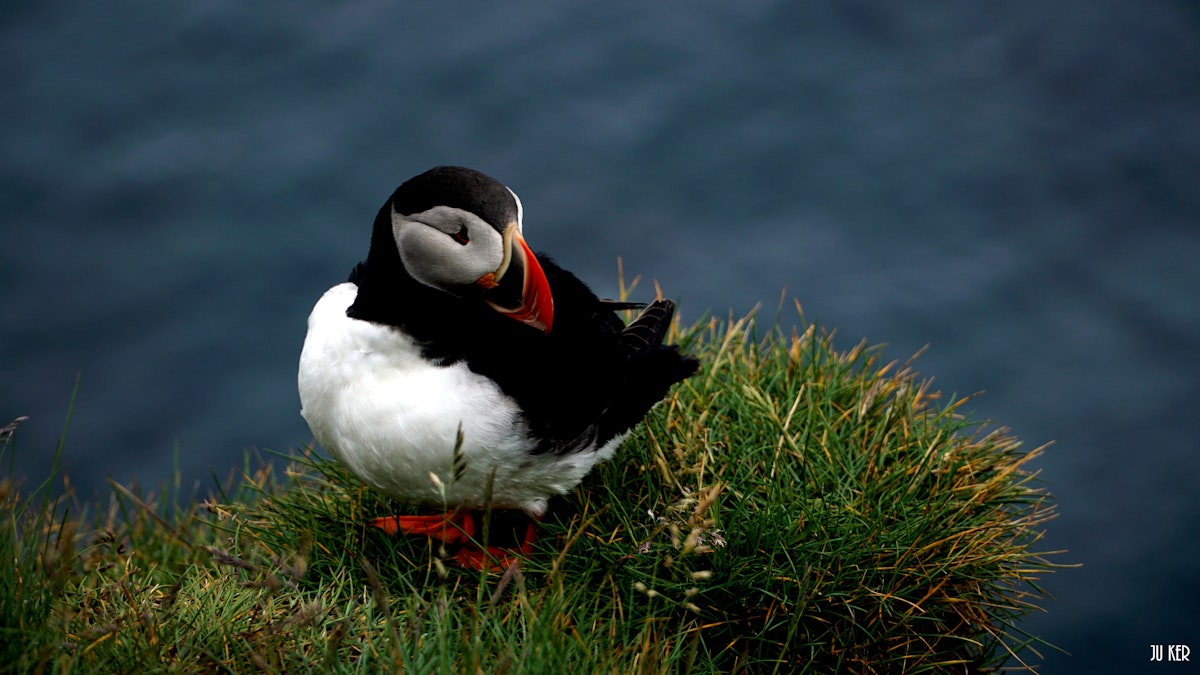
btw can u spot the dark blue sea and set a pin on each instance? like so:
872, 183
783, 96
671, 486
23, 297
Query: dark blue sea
1016, 185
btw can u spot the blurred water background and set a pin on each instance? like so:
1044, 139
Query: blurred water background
1016, 185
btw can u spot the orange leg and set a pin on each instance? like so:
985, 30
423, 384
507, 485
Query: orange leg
455, 527
458, 527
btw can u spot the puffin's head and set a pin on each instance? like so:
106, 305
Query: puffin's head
459, 231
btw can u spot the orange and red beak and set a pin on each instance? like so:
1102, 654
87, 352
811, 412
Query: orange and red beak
518, 289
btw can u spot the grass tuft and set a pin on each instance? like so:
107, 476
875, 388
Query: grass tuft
792, 508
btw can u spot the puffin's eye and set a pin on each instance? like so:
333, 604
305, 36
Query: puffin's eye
461, 236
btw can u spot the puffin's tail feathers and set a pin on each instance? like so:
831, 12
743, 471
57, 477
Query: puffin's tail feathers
618, 305
653, 367
648, 330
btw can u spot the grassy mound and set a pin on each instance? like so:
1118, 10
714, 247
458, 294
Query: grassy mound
791, 508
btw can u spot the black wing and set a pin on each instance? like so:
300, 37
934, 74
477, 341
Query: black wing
592, 377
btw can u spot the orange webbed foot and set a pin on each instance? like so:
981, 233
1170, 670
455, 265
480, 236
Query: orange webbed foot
458, 527
455, 527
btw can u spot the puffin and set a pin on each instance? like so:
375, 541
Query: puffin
459, 371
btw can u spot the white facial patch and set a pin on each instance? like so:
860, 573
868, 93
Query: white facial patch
431, 246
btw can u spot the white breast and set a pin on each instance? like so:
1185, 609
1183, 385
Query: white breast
392, 418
